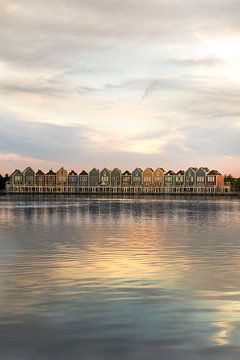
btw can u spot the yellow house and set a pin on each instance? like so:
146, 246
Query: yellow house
158, 177
61, 180
148, 177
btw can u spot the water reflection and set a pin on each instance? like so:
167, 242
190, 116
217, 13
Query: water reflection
119, 279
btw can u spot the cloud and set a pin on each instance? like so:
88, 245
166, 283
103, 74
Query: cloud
74, 74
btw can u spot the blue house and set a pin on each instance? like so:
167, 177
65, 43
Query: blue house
116, 177
191, 177
201, 176
94, 177
72, 180
137, 175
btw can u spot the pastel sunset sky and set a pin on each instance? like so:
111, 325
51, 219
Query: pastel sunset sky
125, 83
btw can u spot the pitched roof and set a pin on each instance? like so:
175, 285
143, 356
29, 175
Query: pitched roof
138, 168
83, 172
72, 173
170, 172
159, 168
51, 172
61, 169
116, 169
149, 168
93, 169
180, 172
28, 168
40, 172
16, 171
126, 172
214, 172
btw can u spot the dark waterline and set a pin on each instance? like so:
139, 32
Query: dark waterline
133, 278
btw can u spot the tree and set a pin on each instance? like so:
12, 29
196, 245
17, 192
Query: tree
235, 183
2, 183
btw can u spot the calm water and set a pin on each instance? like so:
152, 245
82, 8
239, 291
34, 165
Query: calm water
119, 279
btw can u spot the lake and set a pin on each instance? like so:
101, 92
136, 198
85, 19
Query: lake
109, 278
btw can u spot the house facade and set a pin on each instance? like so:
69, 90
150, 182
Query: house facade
169, 181
40, 181
126, 179
215, 181
190, 178
201, 177
180, 179
137, 177
61, 180
84, 179
29, 177
50, 180
72, 181
147, 177
193, 180
16, 180
94, 177
158, 177
116, 175
105, 177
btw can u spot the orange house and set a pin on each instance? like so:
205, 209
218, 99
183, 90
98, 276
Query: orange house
215, 180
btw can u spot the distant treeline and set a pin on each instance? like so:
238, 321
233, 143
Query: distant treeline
235, 182
3, 181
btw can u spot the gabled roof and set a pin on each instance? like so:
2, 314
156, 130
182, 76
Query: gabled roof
61, 169
28, 168
117, 169
214, 172
205, 169
83, 172
180, 172
127, 172
137, 168
148, 168
192, 168
93, 169
159, 168
51, 172
105, 169
40, 172
170, 172
72, 173
16, 171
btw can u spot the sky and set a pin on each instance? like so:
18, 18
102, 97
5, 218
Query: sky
125, 83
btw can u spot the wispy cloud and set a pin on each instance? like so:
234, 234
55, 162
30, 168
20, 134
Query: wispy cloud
149, 82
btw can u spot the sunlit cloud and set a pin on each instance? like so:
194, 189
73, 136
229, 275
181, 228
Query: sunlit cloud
121, 71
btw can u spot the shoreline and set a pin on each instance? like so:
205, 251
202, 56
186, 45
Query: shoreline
121, 195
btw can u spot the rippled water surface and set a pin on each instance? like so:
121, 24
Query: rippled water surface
119, 278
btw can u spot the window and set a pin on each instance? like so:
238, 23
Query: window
200, 179
211, 178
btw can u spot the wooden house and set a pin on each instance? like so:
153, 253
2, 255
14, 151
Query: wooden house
105, 177
137, 176
116, 177
158, 177
84, 179
126, 179
147, 177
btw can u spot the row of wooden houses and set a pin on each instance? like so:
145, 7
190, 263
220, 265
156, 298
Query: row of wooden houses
115, 181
